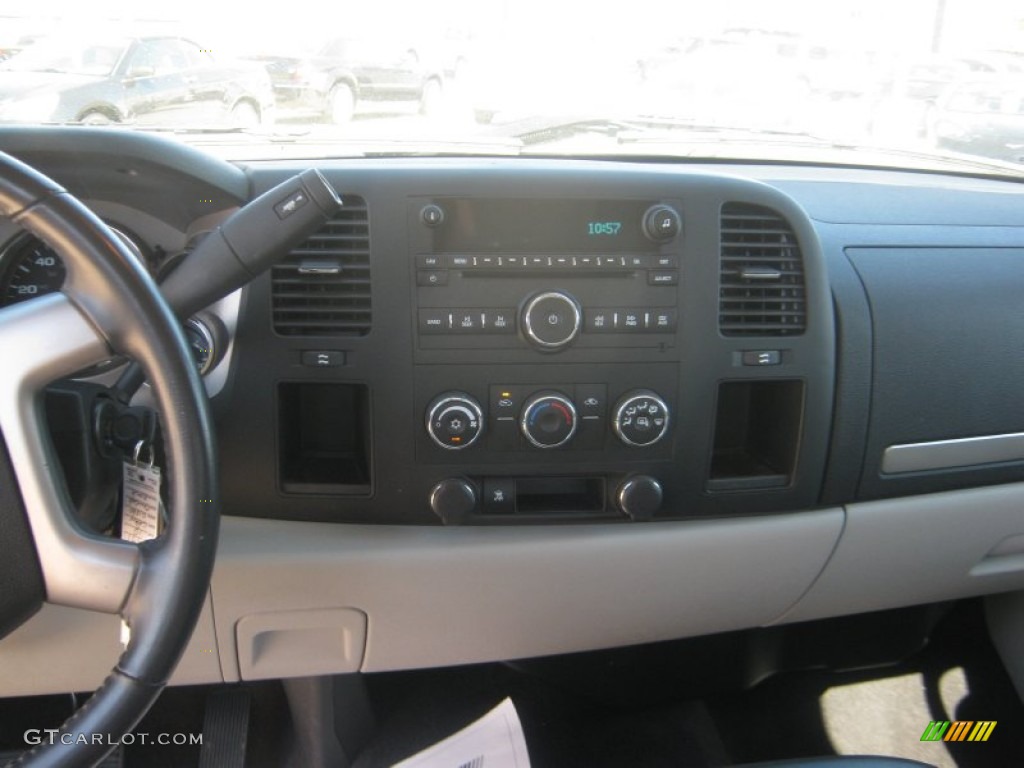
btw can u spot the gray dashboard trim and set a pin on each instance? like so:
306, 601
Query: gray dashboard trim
947, 454
922, 549
442, 596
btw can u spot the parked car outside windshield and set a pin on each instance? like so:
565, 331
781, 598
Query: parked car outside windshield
153, 80
850, 82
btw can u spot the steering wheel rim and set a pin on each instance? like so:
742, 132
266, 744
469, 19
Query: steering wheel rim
108, 305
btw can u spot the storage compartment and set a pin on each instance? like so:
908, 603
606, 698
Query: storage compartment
555, 495
946, 401
757, 434
323, 438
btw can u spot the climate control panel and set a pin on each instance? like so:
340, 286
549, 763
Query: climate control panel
544, 418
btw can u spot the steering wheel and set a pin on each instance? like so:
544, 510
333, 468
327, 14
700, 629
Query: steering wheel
108, 305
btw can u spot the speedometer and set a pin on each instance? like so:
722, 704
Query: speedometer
31, 268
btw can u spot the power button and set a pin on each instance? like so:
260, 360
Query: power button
551, 320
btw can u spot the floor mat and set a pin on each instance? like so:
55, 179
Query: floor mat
562, 730
958, 677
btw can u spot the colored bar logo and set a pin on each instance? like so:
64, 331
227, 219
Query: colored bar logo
959, 730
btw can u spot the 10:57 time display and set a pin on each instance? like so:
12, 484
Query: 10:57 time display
604, 227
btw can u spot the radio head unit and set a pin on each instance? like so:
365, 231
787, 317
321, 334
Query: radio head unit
505, 273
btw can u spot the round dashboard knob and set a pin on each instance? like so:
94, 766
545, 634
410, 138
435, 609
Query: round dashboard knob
454, 420
453, 500
639, 496
551, 320
641, 418
661, 223
548, 420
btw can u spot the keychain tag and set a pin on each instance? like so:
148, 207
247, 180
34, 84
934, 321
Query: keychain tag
140, 499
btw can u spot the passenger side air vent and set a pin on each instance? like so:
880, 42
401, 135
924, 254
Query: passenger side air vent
322, 288
761, 291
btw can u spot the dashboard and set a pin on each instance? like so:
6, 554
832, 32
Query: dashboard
500, 408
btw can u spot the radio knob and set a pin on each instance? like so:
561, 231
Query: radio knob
551, 320
661, 223
639, 497
641, 418
548, 420
454, 420
453, 500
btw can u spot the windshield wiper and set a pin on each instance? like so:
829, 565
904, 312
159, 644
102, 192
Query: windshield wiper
683, 137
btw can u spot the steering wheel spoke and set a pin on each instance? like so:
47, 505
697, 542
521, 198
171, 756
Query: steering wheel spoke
44, 340
108, 304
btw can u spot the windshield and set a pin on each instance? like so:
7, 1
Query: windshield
67, 56
916, 83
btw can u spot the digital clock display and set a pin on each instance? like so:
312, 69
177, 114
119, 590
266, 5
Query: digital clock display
542, 225
604, 228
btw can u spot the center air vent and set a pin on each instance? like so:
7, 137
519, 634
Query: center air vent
322, 288
762, 274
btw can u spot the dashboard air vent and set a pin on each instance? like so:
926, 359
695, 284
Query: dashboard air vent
322, 288
761, 291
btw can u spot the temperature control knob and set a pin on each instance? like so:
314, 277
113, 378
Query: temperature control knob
454, 420
639, 496
641, 418
551, 320
548, 420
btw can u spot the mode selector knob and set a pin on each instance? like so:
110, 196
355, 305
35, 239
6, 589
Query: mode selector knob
641, 418
548, 420
551, 320
454, 420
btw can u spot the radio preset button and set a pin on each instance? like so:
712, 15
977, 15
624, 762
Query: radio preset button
499, 321
551, 320
467, 321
